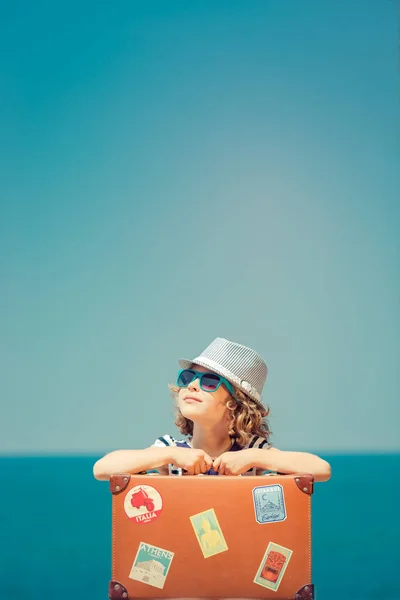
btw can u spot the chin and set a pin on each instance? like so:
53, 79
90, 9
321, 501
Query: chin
189, 411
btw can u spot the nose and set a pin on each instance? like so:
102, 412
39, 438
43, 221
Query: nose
194, 385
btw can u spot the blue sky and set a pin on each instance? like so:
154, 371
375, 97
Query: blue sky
172, 172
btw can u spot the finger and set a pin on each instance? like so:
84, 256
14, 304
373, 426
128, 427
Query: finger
203, 467
208, 461
215, 464
200, 465
197, 468
240, 471
221, 469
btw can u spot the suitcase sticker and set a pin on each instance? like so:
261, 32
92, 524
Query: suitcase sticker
208, 533
273, 566
143, 504
151, 565
269, 504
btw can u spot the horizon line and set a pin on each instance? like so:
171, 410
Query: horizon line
93, 454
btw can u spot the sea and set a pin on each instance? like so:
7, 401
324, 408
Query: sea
55, 529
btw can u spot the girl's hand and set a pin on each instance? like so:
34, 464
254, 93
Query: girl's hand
233, 463
192, 460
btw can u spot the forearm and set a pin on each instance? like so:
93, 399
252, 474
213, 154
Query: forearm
131, 461
289, 463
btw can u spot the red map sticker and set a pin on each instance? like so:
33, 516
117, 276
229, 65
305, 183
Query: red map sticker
143, 504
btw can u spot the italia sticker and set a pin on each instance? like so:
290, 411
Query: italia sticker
143, 504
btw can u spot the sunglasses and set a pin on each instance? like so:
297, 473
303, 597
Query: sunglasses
209, 382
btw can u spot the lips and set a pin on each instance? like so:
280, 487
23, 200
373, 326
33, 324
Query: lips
191, 399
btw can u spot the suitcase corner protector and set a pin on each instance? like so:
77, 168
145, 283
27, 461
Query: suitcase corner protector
119, 482
305, 483
117, 591
305, 593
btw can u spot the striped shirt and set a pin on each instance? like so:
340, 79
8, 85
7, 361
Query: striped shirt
168, 440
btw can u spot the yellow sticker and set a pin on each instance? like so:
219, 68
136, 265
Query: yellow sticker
209, 533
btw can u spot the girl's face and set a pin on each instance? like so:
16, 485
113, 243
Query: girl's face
200, 406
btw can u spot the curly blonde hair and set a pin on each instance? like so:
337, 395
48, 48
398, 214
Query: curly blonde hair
247, 418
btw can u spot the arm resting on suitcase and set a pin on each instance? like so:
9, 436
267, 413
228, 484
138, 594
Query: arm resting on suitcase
290, 463
131, 461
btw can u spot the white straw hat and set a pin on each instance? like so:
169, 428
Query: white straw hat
240, 365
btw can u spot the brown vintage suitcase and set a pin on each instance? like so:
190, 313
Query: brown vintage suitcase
211, 537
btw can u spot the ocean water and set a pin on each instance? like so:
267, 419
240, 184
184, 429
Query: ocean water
55, 529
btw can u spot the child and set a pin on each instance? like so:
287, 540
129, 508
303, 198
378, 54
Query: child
219, 410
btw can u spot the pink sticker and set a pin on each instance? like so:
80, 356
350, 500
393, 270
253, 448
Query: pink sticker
143, 504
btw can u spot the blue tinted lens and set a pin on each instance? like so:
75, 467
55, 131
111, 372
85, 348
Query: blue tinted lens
185, 377
210, 382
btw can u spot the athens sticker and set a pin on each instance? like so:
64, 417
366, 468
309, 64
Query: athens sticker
209, 533
269, 504
273, 566
143, 504
151, 565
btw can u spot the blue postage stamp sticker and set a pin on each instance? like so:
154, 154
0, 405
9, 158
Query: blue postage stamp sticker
151, 565
269, 503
